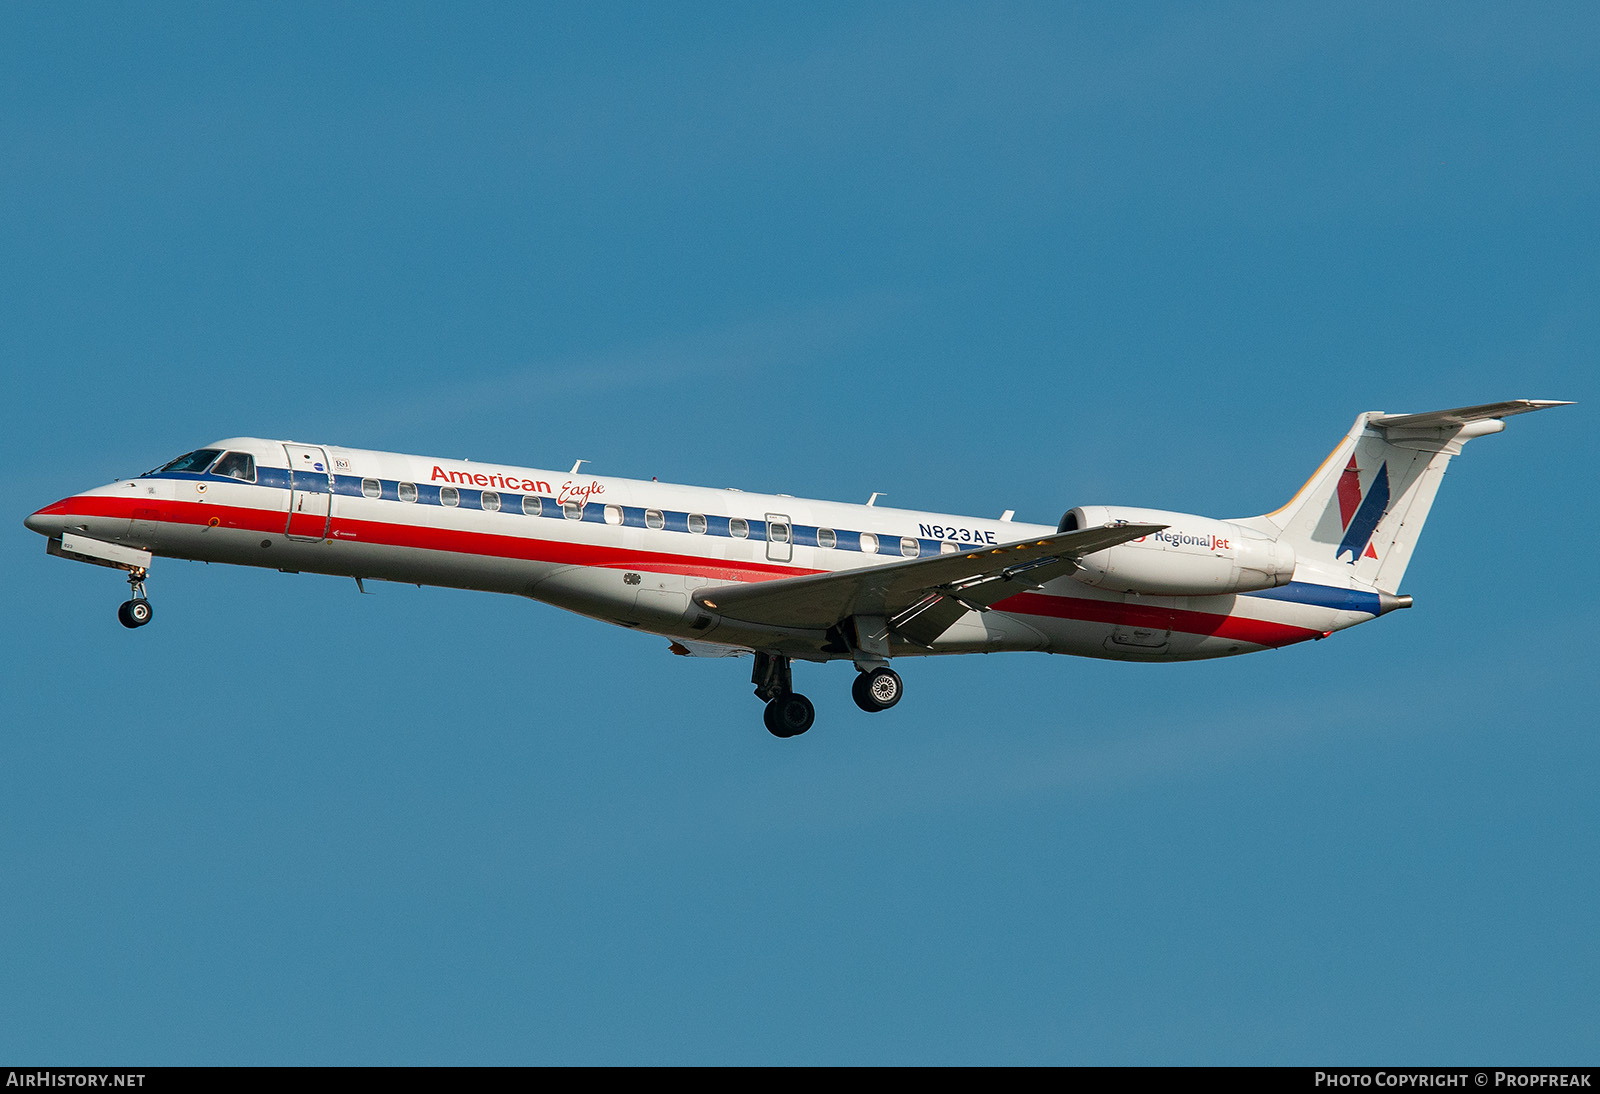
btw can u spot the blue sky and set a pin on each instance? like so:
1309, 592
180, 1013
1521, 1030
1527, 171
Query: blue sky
976, 257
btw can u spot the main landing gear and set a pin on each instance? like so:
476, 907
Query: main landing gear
136, 612
790, 714
877, 689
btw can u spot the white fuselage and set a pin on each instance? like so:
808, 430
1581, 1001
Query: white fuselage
632, 552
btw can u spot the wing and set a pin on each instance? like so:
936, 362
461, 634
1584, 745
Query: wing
918, 598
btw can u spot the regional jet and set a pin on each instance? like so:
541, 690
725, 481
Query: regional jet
723, 573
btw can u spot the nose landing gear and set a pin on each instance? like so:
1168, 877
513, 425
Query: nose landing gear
135, 612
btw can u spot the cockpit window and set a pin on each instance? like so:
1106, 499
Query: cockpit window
192, 463
237, 465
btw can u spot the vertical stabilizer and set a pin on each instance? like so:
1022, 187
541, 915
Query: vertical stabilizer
1358, 517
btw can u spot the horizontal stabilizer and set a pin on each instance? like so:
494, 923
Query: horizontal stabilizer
1460, 415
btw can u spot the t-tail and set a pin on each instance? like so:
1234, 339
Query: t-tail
1358, 518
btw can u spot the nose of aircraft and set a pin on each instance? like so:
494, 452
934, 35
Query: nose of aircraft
48, 521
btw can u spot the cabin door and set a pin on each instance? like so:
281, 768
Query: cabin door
310, 492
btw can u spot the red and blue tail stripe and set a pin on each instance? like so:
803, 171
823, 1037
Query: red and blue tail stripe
1361, 520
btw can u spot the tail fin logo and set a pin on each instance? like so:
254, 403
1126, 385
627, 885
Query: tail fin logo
1360, 515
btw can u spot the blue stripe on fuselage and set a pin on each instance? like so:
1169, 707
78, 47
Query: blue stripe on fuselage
317, 482
1323, 596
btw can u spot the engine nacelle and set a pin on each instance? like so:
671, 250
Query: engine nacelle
1192, 556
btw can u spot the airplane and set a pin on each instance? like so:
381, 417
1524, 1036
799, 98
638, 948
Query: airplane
721, 572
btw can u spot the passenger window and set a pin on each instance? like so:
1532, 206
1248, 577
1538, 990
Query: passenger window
449, 495
738, 527
613, 514
370, 488
572, 510
490, 502
531, 506
948, 548
697, 523
869, 543
909, 547
237, 465
654, 519
408, 491
826, 538
778, 532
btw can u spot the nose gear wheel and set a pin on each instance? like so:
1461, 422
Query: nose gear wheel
136, 612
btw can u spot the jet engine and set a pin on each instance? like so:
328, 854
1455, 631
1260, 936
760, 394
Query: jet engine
1192, 556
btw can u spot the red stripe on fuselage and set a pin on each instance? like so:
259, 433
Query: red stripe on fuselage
426, 538
1259, 632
